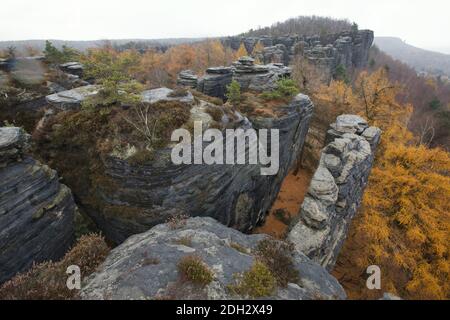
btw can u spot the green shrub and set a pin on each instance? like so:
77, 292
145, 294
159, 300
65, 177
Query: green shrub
283, 216
278, 257
47, 281
257, 282
234, 93
286, 89
193, 269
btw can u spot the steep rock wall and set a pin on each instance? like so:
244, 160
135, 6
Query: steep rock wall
336, 189
36, 211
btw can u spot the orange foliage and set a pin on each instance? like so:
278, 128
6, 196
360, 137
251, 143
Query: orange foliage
404, 225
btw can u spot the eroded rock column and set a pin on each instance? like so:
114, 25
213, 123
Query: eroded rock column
336, 189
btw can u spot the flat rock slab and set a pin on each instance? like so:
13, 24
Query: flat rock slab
163, 94
72, 98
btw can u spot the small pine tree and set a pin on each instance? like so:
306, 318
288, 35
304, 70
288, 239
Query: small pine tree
234, 93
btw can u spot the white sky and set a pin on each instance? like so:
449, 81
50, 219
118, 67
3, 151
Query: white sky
422, 23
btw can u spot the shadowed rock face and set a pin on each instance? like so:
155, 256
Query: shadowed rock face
236, 195
36, 211
336, 189
145, 266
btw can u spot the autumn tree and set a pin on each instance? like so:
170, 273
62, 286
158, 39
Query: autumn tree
241, 52
258, 52
404, 223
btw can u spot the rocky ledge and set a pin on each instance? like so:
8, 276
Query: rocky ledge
336, 189
146, 266
36, 211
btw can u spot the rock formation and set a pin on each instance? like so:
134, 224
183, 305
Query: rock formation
214, 83
74, 68
187, 78
72, 99
249, 75
145, 266
336, 189
349, 49
258, 77
36, 211
236, 195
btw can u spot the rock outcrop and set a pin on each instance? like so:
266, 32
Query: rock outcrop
348, 49
187, 78
214, 83
72, 99
336, 189
74, 68
236, 195
258, 77
249, 75
36, 211
145, 266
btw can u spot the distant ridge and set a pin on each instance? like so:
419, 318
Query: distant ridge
82, 45
420, 59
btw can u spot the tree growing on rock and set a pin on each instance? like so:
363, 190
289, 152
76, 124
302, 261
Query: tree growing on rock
234, 93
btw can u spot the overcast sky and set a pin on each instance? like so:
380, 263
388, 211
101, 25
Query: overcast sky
422, 23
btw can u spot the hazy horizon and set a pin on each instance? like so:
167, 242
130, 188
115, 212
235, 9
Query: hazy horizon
419, 24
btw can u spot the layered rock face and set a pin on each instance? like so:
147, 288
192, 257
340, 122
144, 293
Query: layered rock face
336, 189
236, 195
249, 75
258, 77
74, 68
36, 211
187, 78
349, 49
214, 83
145, 266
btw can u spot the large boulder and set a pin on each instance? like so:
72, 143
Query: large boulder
336, 189
145, 266
36, 211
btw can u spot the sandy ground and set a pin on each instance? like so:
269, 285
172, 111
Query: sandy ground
290, 198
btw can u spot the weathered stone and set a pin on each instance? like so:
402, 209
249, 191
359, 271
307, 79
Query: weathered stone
187, 78
72, 99
36, 211
164, 94
145, 266
336, 190
214, 83
74, 68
